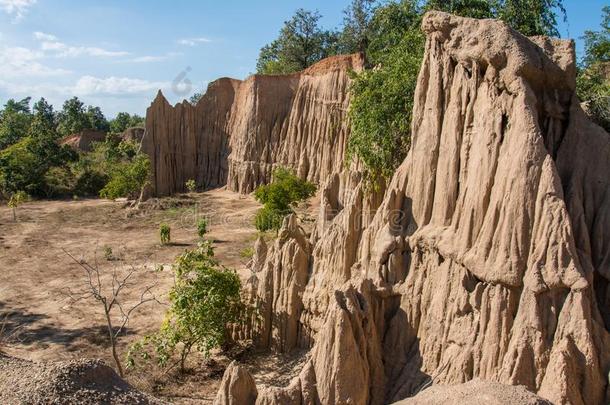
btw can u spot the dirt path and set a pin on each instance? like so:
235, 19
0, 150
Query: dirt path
36, 272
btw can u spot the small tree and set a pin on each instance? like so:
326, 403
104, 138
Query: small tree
203, 302
191, 186
279, 198
202, 227
164, 233
109, 294
16, 200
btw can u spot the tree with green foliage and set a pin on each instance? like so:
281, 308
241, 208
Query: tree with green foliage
532, 17
203, 302
466, 8
300, 44
593, 81
355, 35
73, 117
124, 121
15, 121
382, 97
280, 197
96, 119
27, 165
128, 179
43, 121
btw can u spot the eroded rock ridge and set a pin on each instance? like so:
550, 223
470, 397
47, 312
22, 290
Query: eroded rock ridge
240, 130
488, 254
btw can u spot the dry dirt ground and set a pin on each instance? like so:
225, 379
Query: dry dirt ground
37, 276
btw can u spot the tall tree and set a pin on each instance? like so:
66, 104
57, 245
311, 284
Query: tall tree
356, 26
465, 8
72, 118
300, 44
96, 119
43, 121
532, 17
14, 121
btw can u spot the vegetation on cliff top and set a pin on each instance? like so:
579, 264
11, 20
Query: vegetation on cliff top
389, 34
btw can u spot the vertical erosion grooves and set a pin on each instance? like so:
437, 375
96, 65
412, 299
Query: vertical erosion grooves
240, 130
488, 256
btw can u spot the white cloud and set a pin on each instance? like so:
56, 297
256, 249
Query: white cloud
148, 59
16, 8
44, 37
50, 43
115, 86
61, 50
193, 41
24, 62
87, 86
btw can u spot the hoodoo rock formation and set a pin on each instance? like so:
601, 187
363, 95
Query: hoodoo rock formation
240, 130
488, 256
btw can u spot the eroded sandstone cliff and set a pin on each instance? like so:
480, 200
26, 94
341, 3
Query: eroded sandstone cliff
488, 256
240, 130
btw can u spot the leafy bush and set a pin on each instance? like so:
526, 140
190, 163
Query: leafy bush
268, 218
164, 233
279, 198
203, 301
128, 178
202, 227
381, 108
108, 253
247, 253
191, 186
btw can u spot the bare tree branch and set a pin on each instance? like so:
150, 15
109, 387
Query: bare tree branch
118, 284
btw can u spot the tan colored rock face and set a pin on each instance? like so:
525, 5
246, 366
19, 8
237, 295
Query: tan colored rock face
84, 140
240, 130
489, 256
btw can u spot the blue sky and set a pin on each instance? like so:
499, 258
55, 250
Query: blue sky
117, 54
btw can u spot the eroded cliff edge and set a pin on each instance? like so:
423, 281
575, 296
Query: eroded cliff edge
240, 130
487, 257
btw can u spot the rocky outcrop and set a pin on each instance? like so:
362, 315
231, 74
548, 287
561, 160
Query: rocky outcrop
237, 387
84, 140
133, 134
489, 255
240, 130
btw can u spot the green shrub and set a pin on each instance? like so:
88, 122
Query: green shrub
108, 253
165, 233
191, 186
203, 301
128, 178
247, 253
16, 200
202, 227
268, 218
279, 198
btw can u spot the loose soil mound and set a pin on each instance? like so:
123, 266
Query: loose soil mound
70, 382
